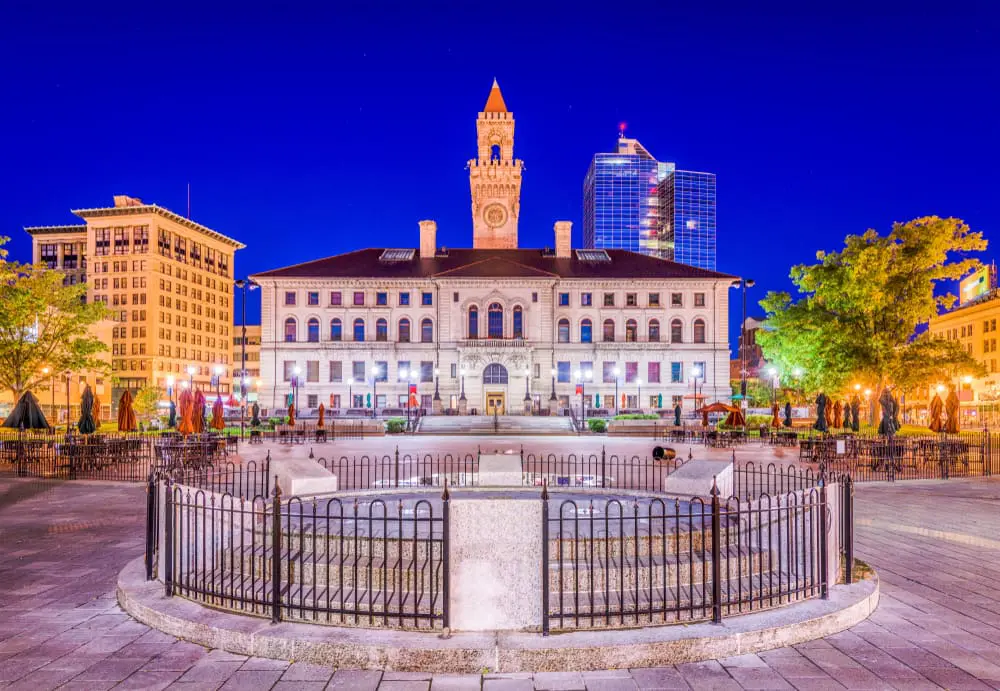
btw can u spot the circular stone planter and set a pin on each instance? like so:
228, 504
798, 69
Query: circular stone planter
497, 651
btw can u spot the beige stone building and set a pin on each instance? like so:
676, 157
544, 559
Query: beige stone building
167, 282
250, 368
494, 328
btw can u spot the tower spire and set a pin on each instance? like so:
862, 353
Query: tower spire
495, 104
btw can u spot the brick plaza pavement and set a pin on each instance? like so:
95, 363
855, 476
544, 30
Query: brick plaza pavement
936, 546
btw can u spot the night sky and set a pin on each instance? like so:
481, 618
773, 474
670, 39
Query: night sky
307, 131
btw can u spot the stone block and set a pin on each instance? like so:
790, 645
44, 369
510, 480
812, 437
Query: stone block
500, 470
694, 479
302, 477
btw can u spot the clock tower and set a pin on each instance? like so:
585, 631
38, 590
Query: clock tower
495, 177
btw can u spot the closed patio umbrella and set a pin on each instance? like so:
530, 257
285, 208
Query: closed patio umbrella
255, 413
775, 421
788, 413
321, 411
198, 415
26, 414
291, 414
847, 414
97, 412
677, 415
855, 410
126, 416
186, 425
936, 408
86, 423
838, 414
887, 426
821, 402
951, 410
218, 420
172, 420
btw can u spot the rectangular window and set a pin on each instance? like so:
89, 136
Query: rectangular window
608, 372
288, 369
586, 299
676, 372
312, 298
454, 371
562, 372
312, 370
654, 299
699, 299
404, 299
631, 372
335, 298
676, 300
289, 298
381, 299
426, 371
102, 242
653, 373
312, 400
358, 371
564, 299
534, 297
381, 370
585, 367
454, 296
702, 371
427, 299
359, 298
402, 366
631, 300
609, 299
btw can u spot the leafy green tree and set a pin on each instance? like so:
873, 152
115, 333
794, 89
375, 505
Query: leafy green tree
860, 308
43, 323
145, 402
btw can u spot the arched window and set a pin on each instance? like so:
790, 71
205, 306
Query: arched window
699, 330
609, 330
426, 331
495, 374
586, 331
563, 330
654, 331
518, 322
312, 330
381, 330
336, 330
495, 152
676, 331
473, 322
631, 331
291, 330
359, 329
494, 324
404, 330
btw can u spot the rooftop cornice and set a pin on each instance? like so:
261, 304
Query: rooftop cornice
108, 212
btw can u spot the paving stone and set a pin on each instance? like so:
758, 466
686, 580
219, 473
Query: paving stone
405, 685
149, 681
252, 680
559, 681
263, 663
456, 682
303, 671
406, 676
658, 678
506, 684
111, 669
360, 679
206, 671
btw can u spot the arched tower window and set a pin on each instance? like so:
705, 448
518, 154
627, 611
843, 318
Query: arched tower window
495, 152
518, 322
654, 331
473, 322
609, 331
495, 321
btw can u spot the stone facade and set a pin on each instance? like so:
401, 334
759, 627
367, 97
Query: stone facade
495, 177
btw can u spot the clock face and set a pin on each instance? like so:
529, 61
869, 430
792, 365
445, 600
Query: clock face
495, 215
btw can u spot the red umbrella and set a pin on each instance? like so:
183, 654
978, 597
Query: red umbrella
126, 416
321, 411
217, 414
232, 402
186, 406
198, 417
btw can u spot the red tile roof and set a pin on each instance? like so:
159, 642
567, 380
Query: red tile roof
473, 263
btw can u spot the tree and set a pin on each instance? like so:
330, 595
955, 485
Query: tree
860, 309
43, 323
146, 402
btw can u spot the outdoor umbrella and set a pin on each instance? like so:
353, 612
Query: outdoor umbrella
172, 420
820, 424
232, 402
187, 412
291, 414
86, 424
855, 408
26, 414
829, 414
714, 408
198, 415
321, 411
847, 414
838, 414
936, 408
735, 418
659, 400
677, 415
255, 413
788, 413
951, 410
97, 412
887, 425
217, 414
775, 422
126, 417
623, 400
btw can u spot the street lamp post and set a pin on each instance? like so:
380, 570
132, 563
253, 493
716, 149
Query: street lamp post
461, 398
350, 397
638, 393
527, 388
552, 396
219, 369
696, 374
774, 384
617, 373
743, 284
375, 375
52, 385
404, 376
244, 285
68, 375
437, 389
295, 387
191, 371
170, 391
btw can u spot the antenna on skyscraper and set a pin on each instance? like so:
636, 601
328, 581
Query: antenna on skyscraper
621, 130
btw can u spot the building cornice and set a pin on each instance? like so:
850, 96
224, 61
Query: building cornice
114, 211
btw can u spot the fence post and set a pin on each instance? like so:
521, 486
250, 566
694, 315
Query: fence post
150, 524
848, 519
276, 555
603, 474
445, 557
983, 446
168, 547
988, 461
545, 557
716, 554
824, 589
396, 483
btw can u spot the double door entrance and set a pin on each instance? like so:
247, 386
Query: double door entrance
495, 403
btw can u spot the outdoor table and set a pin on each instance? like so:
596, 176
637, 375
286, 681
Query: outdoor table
320, 435
255, 437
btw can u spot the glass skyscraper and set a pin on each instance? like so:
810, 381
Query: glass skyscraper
632, 201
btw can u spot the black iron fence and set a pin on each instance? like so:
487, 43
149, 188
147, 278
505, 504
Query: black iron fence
603, 470
631, 563
394, 471
364, 561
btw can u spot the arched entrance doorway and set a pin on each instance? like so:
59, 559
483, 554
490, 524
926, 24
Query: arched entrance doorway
495, 389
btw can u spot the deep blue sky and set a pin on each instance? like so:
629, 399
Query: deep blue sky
307, 131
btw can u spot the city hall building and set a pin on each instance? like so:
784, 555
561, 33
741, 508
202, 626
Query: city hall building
495, 328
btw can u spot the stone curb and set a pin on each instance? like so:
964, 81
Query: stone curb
346, 647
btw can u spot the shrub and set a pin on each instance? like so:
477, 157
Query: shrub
395, 425
597, 425
638, 416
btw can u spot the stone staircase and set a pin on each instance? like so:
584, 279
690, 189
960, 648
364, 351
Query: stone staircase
512, 425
